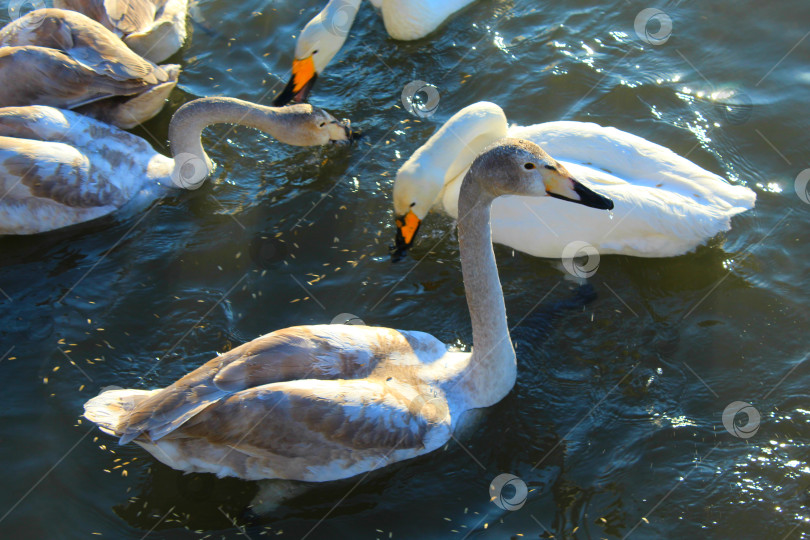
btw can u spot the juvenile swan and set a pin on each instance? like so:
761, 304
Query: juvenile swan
63, 59
319, 403
155, 29
59, 168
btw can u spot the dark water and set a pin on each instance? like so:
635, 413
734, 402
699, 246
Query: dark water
615, 423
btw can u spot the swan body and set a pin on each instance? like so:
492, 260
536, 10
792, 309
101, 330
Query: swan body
324, 35
665, 205
408, 20
63, 59
154, 29
60, 168
325, 402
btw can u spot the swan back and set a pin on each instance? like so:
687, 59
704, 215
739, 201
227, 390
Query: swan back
59, 168
415, 19
630, 159
64, 59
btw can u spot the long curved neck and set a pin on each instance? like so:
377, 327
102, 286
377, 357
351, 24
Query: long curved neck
188, 123
492, 369
448, 153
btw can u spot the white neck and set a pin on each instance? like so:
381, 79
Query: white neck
450, 151
492, 368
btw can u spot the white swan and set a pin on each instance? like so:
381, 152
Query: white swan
320, 403
665, 204
59, 168
155, 29
324, 35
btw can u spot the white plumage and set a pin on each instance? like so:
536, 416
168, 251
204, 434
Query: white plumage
665, 205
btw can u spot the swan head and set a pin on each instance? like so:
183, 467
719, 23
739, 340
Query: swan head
306, 125
520, 167
317, 45
416, 189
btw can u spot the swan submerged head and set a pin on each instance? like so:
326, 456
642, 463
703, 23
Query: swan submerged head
307, 125
318, 43
521, 167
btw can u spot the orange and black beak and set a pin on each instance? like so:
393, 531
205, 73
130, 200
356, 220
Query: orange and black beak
407, 227
301, 82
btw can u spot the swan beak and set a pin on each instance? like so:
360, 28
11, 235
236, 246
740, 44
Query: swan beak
301, 82
407, 227
569, 189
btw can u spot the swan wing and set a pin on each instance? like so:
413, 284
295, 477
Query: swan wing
46, 76
46, 185
304, 352
122, 16
310, 430
59, 168
154, 29
85, 41
633, 161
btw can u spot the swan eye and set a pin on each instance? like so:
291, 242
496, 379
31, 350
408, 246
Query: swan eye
413, 204
529, 166
551, 167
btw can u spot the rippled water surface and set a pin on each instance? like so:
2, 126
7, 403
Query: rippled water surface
615, 423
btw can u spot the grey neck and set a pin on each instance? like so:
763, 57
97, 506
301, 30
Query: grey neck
492, 370
188, 123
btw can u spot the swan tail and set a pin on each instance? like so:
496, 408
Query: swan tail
109, 408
